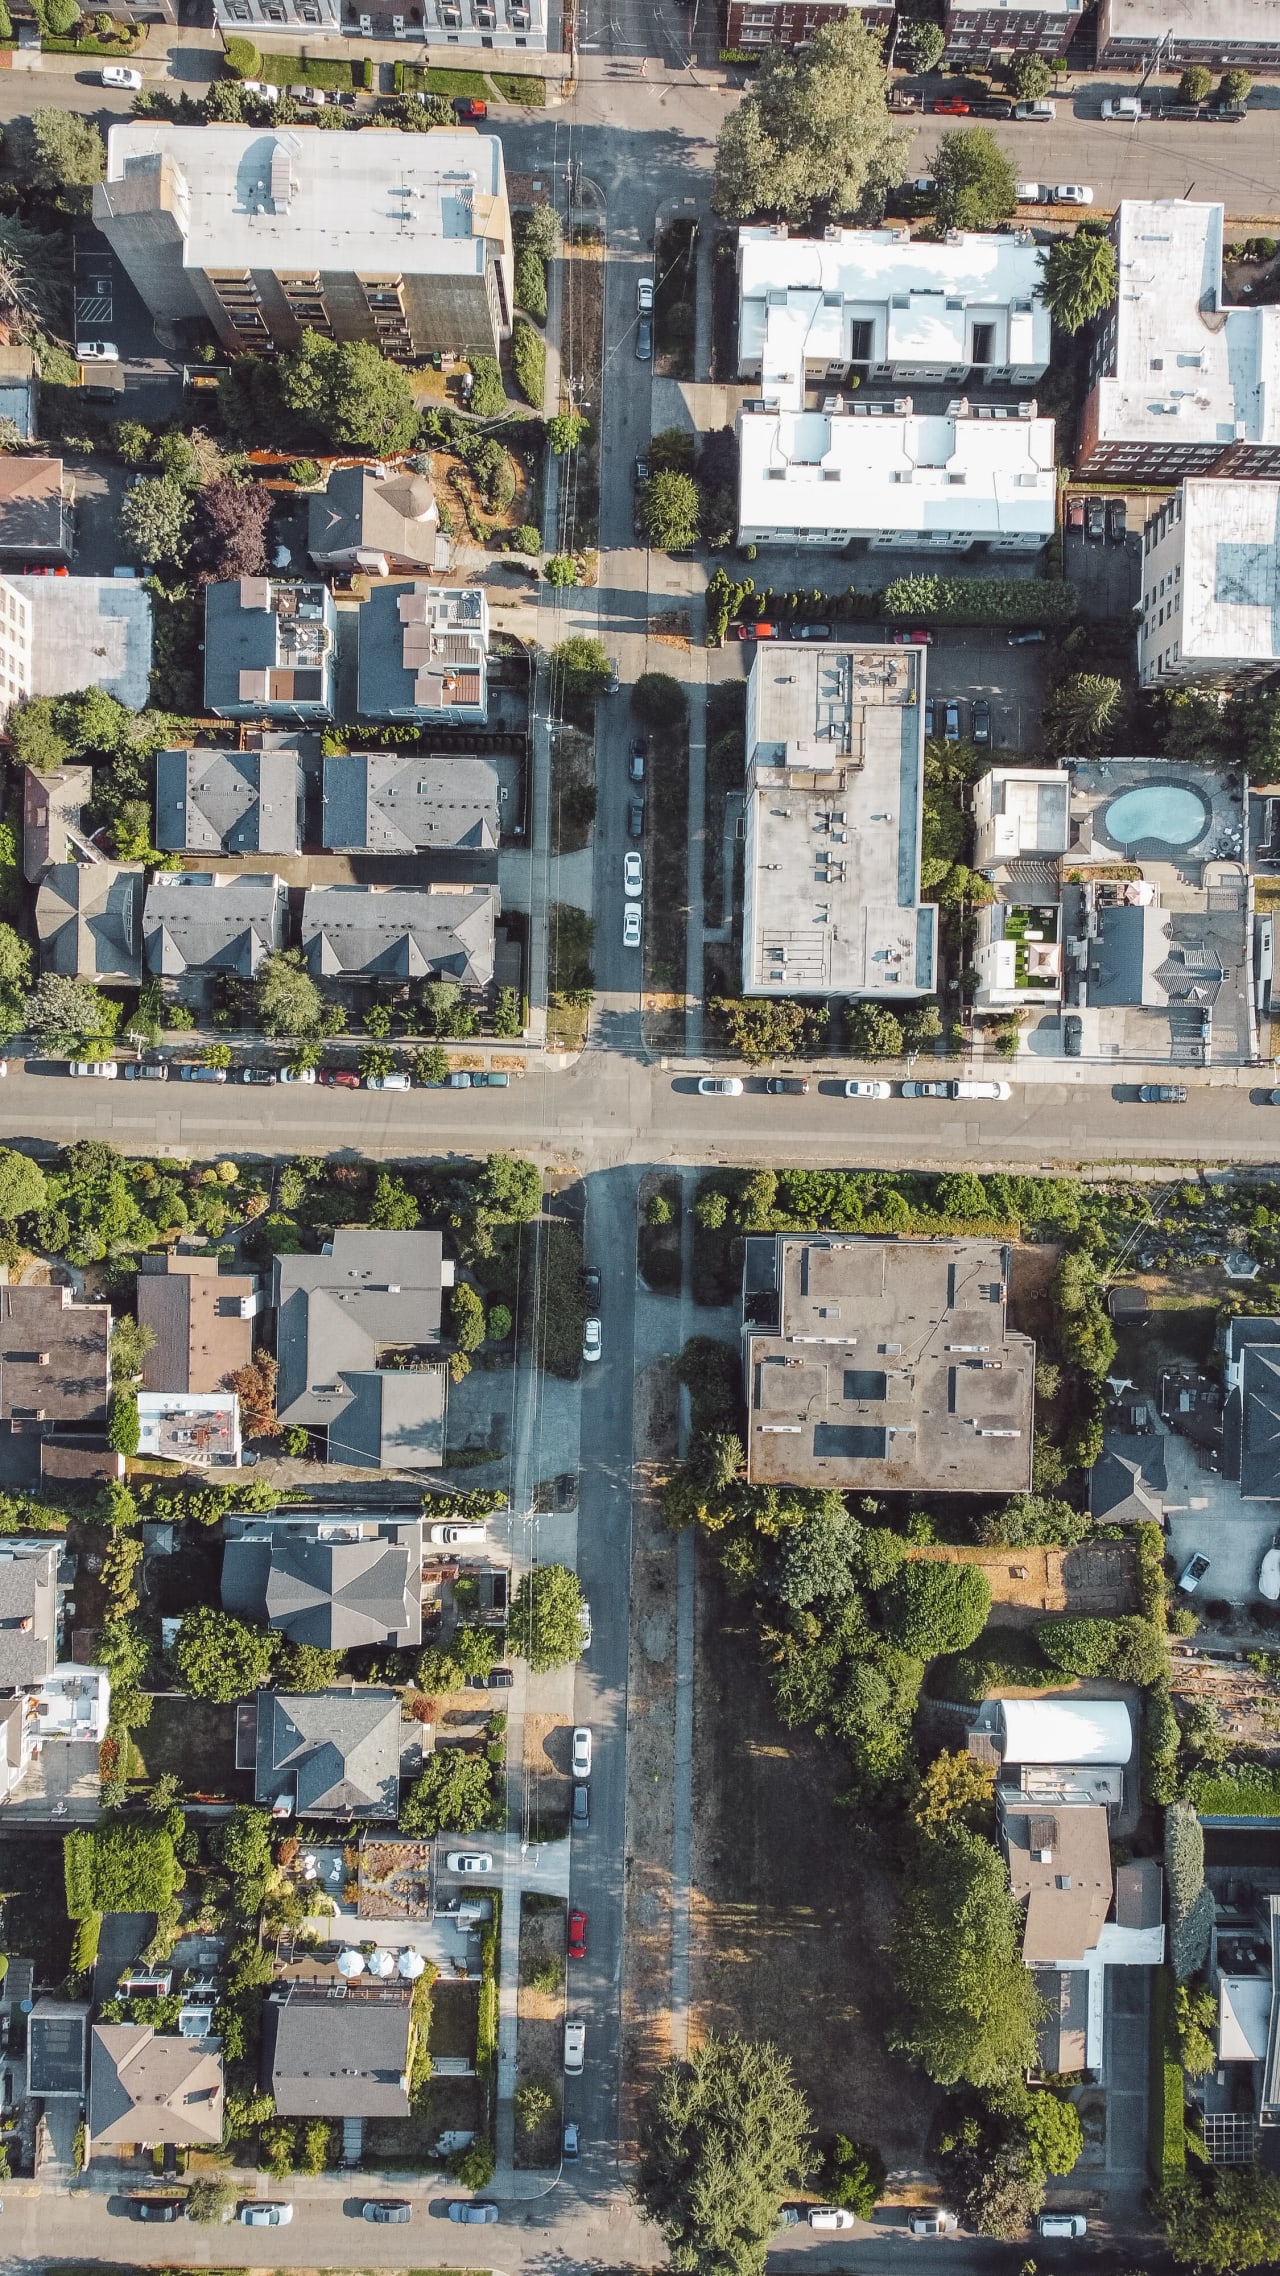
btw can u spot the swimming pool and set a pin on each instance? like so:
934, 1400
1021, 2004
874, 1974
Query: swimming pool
1169, 811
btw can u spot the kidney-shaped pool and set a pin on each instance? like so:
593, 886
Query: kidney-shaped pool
1169, 811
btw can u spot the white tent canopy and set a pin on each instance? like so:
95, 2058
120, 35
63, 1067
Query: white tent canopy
1064, 1730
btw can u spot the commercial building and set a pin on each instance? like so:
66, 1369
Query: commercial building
424, 654
400, 239
269, 650
379, 932
834, 802
338, 1582
384, 802
906, 481
199, 921
1225, 33
985, 33
61, 634
230, 802
879, 305
884, 1366
792, 23
1211, 586
365, 518
346, 1324
201, 1320
1179, 382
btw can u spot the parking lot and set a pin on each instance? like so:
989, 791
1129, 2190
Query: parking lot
966, 666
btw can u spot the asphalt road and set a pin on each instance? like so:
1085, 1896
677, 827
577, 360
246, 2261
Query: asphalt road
1239, 165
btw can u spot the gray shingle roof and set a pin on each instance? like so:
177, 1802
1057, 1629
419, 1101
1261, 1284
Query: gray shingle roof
358, 513
334, 1753
28, 1611
335, 1316
337, 1594
232, 802
344, 2057
400, 934
1251, 1422
383, 802
1127, 1482
192, 922
89, 920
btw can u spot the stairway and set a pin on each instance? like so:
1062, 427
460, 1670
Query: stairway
352, 2140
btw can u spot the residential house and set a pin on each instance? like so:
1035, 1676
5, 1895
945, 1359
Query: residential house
338, 2058
230, 802
52, 803
198, 1428
343, 1321
89, 921
1129, 1480
1136, 34
424, 654
383, 932
201, 1319
792, 23
884, 1366
1017, 954
834, 809
35, 509
387, 802
58, 2049
1021, 816
982, 35
147, 2086
199, 921
365, 518
269, 649
267, 236
328, 1754
61, 634
1251, 1418
1179, 381
1060, 1866
1239, 2099
20, 390
1210, 586
73, 1459
1057, 1752
41, 1696
54, 1359
338, 1582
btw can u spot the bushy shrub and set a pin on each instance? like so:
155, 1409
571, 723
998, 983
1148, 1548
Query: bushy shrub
980, 600
531, 283
930, 1607
1190, 1899
529, 363
488, 395
242, 58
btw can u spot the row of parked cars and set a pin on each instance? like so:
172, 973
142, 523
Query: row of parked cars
334, 1078
1098, 518
731, 1086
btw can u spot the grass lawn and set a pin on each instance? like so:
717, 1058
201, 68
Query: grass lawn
514, 89
438, 82
308, 71
197, 1741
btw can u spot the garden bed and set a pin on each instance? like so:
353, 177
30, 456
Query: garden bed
675, 300
573, 789
582, 383
455, 2009
658, 1245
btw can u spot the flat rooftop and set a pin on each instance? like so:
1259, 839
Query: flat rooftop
89, 632
1187, 368
815, 470
1230, 587
374, 203
889, 1366
1237, 23
835, 746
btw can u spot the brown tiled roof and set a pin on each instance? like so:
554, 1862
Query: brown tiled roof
200, 1336
53, 1358
31, 505
1068, 1891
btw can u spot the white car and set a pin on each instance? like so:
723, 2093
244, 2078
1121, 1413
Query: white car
1122, 107
719, 1086
297, 1074
458, 1536
575, 2047
1062, 2224
1193, 1573
119, 75
582, 1752
262, 88
387, 1082
868, 1090
469, 1861
1040, 110
631, 925
632, 876
314, 98
933, 2224
106, 1070
829, 2217
592, 1339
97, 352
644, 296
1030, 193
1071, 193
266, 2215
1269, 1577
982, 1090
584, 1625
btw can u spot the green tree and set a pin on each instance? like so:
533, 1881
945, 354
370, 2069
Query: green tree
546, 1617
287, 1000
350, 393
452, 1789
921, 43
659, 702
954, 1788
307, 1667
15, 979
757, 1028
560, 569
1226, 2222
854, 2175
566, 431
873, 1032
1053, 2131
242, 1846
154, 519
123, 1427
540, 231
509, 1189
1190, 1898
670, 509
723, 2137
971, 2005
976, 182
1235, 87
1028, 78
488, 395
130, 1344
1079, 713
1078, 278
581, 666
1196, 84
930, 1608
1029, 1521
393, 1208
814, 130
221, 1658
66, 156
466, 1316
817, 1557
22, 1185
535, 2103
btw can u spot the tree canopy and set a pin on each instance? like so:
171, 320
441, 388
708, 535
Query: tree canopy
971, 2005
1078, 277
930, 1608
350, 393
546, 1617
670, 512
68, 1019
1231, 2223
219, 1657
288, 1000
155, 519
723, 2138
814, 131
230, 538
581, 665
22, 1185
976, 182
454, 1790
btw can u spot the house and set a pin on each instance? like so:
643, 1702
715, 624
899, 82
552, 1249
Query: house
89, 921
199, 921
42, 1697
1021, 815
147, 2086
230, 802
58, 2049
328, 1754
269, 649
201, 1319
338, 2058
342, 1321
884, 1366
1210, 586
862, 305
1133, 33
1017, 954
314, 248
1056, 1753
198, 1428
54, 1363
834, 808
365, 518
20, 390
61, 634
337, 1582
424, 654
1060, 1868
792, 23
1129, 1480
383, 932
1241, 2097
1251, 1418
51, 807
983, 34
387, 802
895, 478
35, 508
1179, 382
74, 1458
30, 1611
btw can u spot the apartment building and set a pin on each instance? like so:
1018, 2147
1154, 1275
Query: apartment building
445, 23
985, 33
424, 654
60, 634
792, 23
269, 650
1211, 586
400, 239
910, 482
1222, 33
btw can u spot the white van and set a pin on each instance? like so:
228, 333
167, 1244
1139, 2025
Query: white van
982, 1090
1062, 2224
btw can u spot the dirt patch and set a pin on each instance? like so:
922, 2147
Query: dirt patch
658, 1244
1246, 1705
455, 2012
196, 1740
573, 789
582, 376
670, 629
540, 2011
548, 1740
1031, 1311
1094, 1577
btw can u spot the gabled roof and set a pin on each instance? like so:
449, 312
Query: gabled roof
1060, 1862
151, 2087
1128, 1481
192, 923
331, 1753
335, 1315
317, 1590
89, 920
347, 2057
33, 506
1251, 1421
437, 933
383, 802
360, 512
232, 802
51, 803
28, 1611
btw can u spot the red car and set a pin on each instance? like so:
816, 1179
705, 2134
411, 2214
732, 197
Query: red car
951, 106
1075, 514
340, 1079
577, 1936
757, 631
467, 107
918, 639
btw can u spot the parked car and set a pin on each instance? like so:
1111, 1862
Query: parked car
581, 1751
470, 107
951, 723
933, 2224
1163, 1094
786, 1086
570, 2148
874, 1089
1046, 112
1072, 193
1027, 638
926, 1090
928, 718
1095, 518
1075, 513
1062, 2224
311, 98
982, 1090
458, 1536
143, 1071
458, 1080
105, 1069
263, 2214
980, 730
158, 2208
719, 1086
469, 1861
396, 2209
340, 1079
592, 1339
262, 88
811, 632
388, 1083
584, 1625
1269, 1576
788, 2216
951, 106
97, 352
632, 876
918, 637
577, 1936
257, 1075
500, 1679
644, 296
631, 925
1193, 1573
581, 1816
1116, 519
993, 107
1126, 107
575, 2047
192, 1074
119, 75
591, 1285
1072, 1034
300, 1075
475, 2212
829, 2217
1030, 193
757, 629
491, 1079
635, 759
644, 339
635, 818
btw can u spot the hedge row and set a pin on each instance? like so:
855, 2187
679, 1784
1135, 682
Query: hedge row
78, 1874
84, 1944
982, 600
1167, 2124
529, 363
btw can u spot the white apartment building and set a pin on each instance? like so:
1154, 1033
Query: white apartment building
444, 23
15, 645
395, 238
1211, 585
1020, 814
1180, 382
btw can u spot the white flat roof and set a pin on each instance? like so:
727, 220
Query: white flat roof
1237, 23
1244, 2018
1186, 370
818, 470
377, 203
1066, 1730
1230, 570
89, 632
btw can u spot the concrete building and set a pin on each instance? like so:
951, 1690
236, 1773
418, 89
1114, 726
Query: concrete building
365, 518
1225, 33
312, 18
384, 802
345, 1322
201, 1319
1211, 586
499, 24
338, 1582
378, 932
504, 25
61, 634
910, 482
230, 802
196, 921
269, 650
1020, 815
1179, 382
89, 921
983, 34
424, 654
54, 1363
792, 23
42, 1697
835, 774
35, 509
400, 239
878, 304
884, 1366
